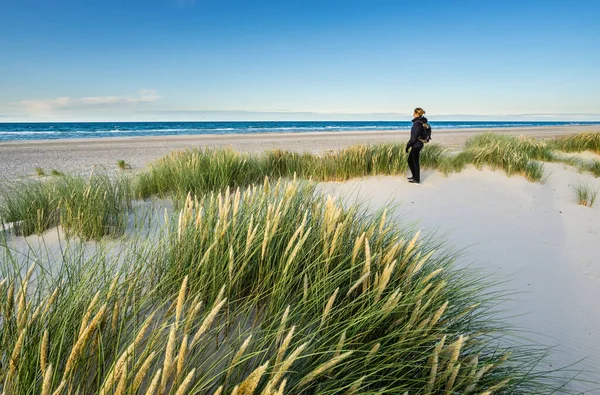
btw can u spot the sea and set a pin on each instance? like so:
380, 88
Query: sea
73, 130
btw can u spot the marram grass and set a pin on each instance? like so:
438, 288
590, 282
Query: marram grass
89, 207
201, 171
586, 194
272, 289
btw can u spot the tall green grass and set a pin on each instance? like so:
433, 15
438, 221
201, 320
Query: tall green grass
200, 171
578, 143
514, 155
90, 207
30, 205
586, 194
271, 290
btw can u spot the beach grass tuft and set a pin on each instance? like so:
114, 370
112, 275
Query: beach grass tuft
122, 165
39, 172
55, 172
578, 143
586, 194
90, 207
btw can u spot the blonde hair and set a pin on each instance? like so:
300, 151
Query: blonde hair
419, 111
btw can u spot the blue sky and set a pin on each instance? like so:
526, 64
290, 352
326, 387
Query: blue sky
114, 60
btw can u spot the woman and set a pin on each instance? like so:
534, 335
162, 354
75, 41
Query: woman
415, 145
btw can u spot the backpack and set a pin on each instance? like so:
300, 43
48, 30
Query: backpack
425, 134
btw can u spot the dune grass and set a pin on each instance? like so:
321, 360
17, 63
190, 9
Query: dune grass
200, 171
586, 194
39, 172
578, 143
89, 207
122, 165
55, 172
269, 290
30, 205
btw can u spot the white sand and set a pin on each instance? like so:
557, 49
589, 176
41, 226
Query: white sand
534, 235
20, 158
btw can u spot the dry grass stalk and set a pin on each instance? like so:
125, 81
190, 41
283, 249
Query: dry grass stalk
357, 246
180, 300
305, 289
249, 385
238, 356
61, 387
284, 346
112, 287
181, 356
296, 250
144, 328
121, 386
142, 371
51, 301
47, 383
328, 306
81, 341
412, 243
88, 313
207, 322
434, 360
438, 314
219, 390
182, 390
367, 266
355, 387
358, 283
231, 262
340, 345
192, 317
153, 387
281, 329
282, 369
281, 389
117, 371
391, 302
115, 317
323, 368
16, 353
372, 351
296, 234
450, 383
10, 298
235, 390
168, 362
384, 279
44, 352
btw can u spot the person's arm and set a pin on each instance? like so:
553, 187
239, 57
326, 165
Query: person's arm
414, 135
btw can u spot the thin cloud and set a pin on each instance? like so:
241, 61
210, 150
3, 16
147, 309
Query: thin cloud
68, 103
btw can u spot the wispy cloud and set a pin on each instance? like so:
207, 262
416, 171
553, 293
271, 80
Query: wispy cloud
45, 106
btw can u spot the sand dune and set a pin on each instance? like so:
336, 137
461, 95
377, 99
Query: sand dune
533, 235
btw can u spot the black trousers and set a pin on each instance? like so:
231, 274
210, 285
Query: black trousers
413, 163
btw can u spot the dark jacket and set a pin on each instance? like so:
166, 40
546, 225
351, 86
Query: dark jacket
415, 132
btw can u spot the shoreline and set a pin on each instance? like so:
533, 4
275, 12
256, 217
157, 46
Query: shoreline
537, 131
19, 158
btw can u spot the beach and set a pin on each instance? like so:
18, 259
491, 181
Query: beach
20, 158
531, 241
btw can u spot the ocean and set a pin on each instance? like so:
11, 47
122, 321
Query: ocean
71, 130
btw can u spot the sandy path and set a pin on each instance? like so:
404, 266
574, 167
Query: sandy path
533, 235
20, 158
